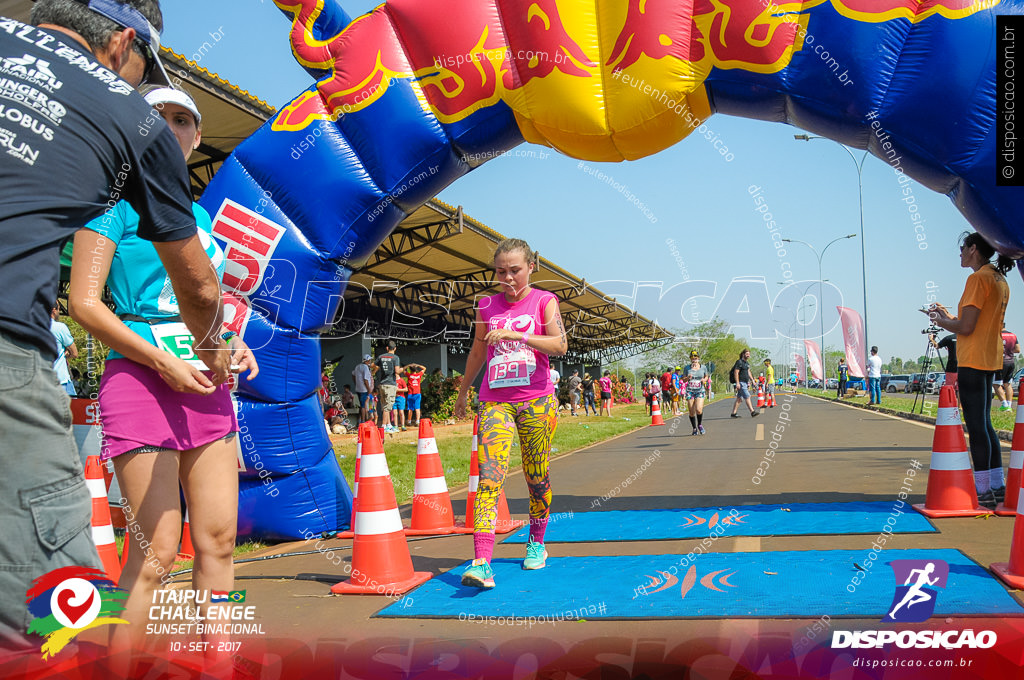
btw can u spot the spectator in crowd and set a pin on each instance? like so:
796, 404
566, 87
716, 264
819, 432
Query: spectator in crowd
588, 394
980, 349
335, 409
1004, 378
390, 368
414, 379
362, 378
740, 374
66, 347
556, 380
574, 391
843, 371
874, 377
605, 383
348, 399
398, 410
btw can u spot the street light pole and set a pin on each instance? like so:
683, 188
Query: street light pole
821, 296
860, 199
803, 325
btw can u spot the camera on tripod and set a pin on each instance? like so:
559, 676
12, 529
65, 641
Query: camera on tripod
931, 330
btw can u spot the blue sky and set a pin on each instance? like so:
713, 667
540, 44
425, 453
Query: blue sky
695, 198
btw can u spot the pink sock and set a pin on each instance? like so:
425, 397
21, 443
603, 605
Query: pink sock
483, 545
538, 525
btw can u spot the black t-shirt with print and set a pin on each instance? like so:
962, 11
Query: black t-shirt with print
75, 139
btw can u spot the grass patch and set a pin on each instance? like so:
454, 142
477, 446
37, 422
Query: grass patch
1001, 420
453, 443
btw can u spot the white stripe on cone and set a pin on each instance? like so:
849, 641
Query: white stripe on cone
1020, 505
948, 416
426, 446
103, 535
430, 485
373, 465
950, 460
474, 482
1017, 459
378, 522
97, 487
1020, 413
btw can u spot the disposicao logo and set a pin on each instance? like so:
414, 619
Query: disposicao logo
69, 600
914, 601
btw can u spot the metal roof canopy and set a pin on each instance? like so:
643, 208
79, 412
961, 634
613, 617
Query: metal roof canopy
424, 280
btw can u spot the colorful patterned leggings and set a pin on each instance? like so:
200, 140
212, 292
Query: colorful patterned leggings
535, 421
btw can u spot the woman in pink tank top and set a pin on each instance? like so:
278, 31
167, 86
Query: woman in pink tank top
516, 331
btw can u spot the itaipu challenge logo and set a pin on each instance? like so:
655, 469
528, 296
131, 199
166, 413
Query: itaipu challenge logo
914, 601
69, 600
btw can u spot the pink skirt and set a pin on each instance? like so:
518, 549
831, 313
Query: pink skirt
138, 409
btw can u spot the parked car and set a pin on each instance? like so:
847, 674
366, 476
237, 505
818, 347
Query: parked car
1016, 379
934, 382
832, 383
897, 383
855, 383
814, 383
916, 382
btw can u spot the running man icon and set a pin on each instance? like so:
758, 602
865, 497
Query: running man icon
915, 600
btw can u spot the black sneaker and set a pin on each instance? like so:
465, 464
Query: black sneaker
735, 415
754, 414
999, 493
988, 500
695, 433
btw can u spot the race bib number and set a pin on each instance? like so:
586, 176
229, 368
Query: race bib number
176, 339
508, 370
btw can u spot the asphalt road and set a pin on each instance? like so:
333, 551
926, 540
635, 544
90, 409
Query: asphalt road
828, 453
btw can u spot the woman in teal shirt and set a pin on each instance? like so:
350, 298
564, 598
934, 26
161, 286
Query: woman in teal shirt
163, 420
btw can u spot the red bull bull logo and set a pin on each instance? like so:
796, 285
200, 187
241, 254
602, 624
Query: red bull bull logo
462, 59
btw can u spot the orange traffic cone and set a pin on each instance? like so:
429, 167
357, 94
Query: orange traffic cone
380, 556
431, 505
760, 396
951, 491
187, 552
1013, 478
124, 549
102, 530
350, 533
466, 527
656, 418
1012, 572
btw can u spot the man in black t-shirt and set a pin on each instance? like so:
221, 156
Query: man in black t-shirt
72, 127
740, 375
387, 385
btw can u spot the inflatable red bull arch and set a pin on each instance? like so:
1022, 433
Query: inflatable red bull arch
417, 93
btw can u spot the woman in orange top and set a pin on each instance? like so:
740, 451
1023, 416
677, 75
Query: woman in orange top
979, 352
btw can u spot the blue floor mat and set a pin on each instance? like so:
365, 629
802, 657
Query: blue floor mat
792, 519
731, 585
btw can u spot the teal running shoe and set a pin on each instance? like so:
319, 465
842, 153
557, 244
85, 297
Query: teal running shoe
536, 556
479, 574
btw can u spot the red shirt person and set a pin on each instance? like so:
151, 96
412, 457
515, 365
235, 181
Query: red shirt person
414, 378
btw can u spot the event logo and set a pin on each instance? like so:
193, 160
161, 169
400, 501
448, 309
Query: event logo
69, 600
914, 601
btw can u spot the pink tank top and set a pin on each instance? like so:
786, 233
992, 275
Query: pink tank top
514, 372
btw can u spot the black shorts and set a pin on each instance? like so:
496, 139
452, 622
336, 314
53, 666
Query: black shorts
1006, 373
606, 395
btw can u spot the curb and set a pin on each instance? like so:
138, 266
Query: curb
1004, 435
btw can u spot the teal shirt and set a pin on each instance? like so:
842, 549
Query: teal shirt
137, 280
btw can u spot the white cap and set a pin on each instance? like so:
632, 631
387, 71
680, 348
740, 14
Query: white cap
367, 357
169, 95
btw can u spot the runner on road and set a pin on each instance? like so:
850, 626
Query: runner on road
516, 331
